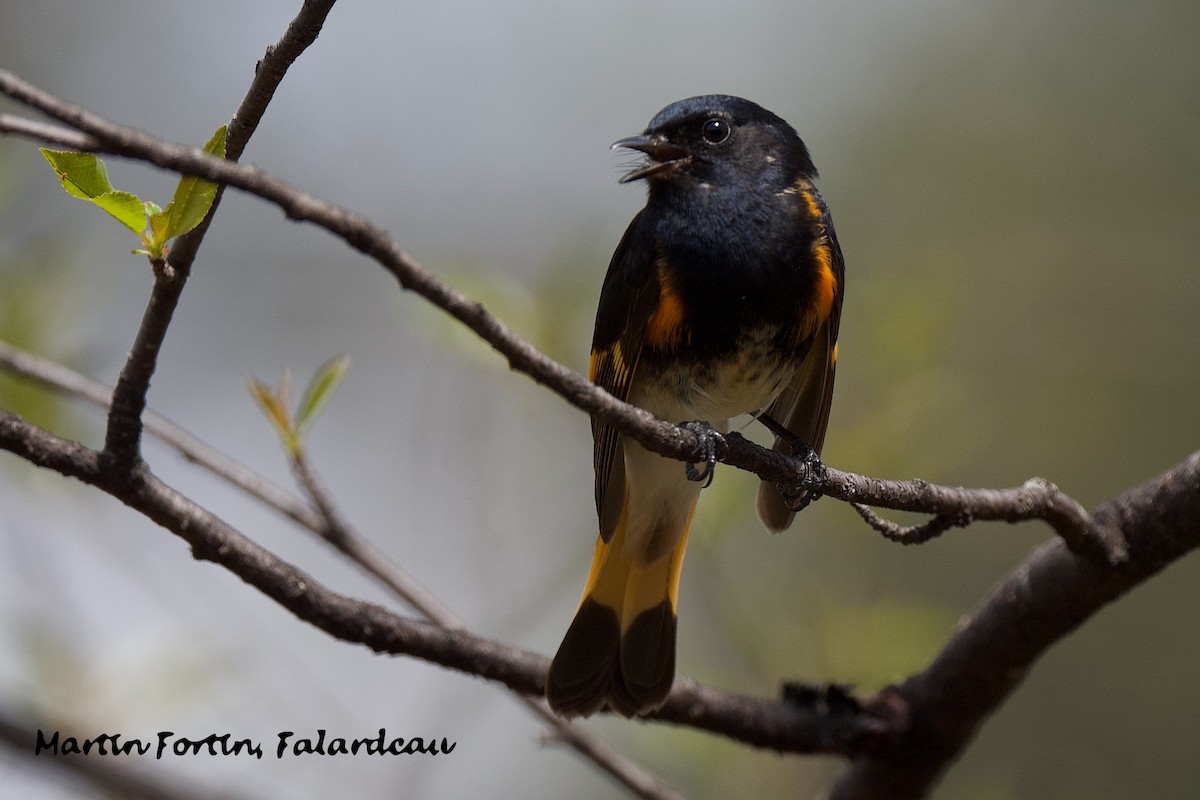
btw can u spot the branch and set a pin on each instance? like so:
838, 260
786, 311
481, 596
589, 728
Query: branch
122, 441
931, 715
991, 651
781, 726
107, 137
341, 535
956, 505
60, 378
332, 527
910, 534
47, 134
1037, 499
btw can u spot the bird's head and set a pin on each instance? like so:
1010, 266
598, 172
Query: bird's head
716, 141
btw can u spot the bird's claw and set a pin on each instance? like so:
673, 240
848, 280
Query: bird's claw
813, 475
708, 439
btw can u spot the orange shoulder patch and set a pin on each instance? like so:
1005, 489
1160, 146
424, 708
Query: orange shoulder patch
817, 307
810, 202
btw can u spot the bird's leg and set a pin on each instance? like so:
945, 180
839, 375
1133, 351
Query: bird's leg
709, 439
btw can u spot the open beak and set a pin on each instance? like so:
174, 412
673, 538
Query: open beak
662, 156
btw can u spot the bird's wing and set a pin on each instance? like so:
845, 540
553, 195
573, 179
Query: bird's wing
803, 405
628, 301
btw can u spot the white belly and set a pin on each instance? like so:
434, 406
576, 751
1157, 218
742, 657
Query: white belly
660, 498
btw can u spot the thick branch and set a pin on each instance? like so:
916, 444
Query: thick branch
991, 651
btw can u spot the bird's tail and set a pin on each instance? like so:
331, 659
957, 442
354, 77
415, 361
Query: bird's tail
620, 648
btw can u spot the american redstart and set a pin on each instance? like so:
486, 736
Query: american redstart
723, 298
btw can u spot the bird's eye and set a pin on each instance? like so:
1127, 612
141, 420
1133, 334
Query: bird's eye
716, 131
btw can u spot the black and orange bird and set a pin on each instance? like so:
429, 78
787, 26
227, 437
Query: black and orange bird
723, 298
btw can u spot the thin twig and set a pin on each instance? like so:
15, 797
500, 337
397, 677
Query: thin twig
338, 532
910, 534
58, 377
1036, 499
46, 133
122, 440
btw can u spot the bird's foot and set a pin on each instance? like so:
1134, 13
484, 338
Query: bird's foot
709, 439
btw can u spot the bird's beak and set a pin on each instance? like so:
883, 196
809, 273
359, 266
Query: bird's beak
662, 155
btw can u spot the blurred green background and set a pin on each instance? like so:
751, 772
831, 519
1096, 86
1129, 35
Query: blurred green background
1016, 187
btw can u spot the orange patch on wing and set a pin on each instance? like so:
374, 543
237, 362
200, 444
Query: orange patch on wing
665, 326
820, 303
594, 364
608, 368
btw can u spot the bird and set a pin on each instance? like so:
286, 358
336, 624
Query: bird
723, 298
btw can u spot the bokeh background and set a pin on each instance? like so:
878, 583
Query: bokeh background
1016, 186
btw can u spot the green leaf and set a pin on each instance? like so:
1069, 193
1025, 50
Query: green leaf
193, 196
85, 176
216, 144
158, 225
125, 207
320, 390
81, 174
